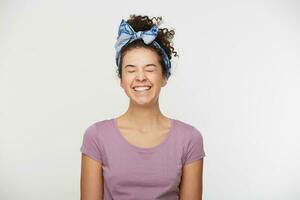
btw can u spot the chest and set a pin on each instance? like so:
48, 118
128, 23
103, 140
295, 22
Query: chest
144, 139
136, 173
143, 175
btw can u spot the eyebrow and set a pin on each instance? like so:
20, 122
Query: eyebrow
145, 65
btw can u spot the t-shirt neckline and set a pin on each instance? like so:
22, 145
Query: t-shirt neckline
144, 149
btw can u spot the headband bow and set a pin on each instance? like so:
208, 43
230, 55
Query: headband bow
126, 35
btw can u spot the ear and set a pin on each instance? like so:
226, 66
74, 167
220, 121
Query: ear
164, 82
121, 84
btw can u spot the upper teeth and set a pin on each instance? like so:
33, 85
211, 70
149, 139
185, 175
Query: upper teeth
141, 88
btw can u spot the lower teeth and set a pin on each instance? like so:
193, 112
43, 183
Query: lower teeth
141, 90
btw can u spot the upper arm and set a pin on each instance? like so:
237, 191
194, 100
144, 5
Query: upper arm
191, 181
91, 181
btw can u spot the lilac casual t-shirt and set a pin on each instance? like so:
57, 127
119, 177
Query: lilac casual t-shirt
135, 173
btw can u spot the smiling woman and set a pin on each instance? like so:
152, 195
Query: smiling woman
142, 154
139, 63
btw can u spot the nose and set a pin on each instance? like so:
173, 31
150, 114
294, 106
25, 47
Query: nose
140, 76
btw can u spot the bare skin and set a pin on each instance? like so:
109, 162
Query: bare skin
143, 138
91, 181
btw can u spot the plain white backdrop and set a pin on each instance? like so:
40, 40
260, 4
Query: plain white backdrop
236, 80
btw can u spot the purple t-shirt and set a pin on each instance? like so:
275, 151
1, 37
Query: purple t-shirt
135, 173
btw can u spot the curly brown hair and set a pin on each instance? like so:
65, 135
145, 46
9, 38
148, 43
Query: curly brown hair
164, 39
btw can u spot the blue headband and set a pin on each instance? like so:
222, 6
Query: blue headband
127, 35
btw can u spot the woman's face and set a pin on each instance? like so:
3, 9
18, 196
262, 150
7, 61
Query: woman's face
141, 67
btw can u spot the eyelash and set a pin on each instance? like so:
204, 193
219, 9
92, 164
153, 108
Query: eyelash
147, 71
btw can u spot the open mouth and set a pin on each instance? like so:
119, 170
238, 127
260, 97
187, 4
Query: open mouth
142, 88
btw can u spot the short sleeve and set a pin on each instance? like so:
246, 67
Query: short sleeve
194, 148
91, 144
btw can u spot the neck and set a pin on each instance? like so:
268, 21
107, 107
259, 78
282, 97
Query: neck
144, 117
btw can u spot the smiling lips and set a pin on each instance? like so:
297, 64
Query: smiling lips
141, 88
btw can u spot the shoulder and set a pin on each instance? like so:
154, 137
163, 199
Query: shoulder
98, 127
187, 130
192, 142
188, 134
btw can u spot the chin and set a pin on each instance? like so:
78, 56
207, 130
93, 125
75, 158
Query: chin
139, 102
145, 101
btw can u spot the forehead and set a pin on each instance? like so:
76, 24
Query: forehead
140, 57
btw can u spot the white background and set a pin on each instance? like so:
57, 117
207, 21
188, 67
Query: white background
236, 80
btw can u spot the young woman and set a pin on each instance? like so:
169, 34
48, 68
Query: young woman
142, 154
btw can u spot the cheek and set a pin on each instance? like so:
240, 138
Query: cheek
126, 82
157, 78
